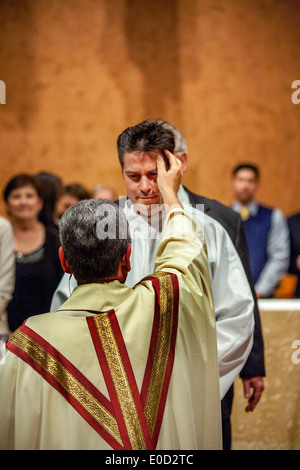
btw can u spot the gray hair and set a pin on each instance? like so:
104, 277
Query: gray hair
94, 235
180, 142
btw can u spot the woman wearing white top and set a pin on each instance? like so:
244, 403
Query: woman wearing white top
7, 273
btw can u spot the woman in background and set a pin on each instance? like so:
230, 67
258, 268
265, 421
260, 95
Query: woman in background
38, 269
52, 188
71, 194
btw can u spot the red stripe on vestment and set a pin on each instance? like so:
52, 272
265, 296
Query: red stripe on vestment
152, 349
114, 407
109, 382
132, 380
60, 388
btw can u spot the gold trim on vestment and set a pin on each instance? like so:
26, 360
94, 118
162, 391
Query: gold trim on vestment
117, 370
120, 381
162, 348
68, 381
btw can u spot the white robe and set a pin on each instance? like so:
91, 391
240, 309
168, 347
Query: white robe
34, 415
232, 295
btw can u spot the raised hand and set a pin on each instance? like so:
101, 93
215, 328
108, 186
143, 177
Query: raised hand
169, 179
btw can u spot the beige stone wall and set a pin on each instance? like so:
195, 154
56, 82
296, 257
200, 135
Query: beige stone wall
77, 72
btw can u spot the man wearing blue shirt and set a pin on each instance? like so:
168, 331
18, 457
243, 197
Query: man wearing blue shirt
265, 229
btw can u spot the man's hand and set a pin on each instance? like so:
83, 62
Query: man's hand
257, 384
169, 180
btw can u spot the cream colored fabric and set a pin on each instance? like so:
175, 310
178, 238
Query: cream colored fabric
232, 295
7, 271
34, 415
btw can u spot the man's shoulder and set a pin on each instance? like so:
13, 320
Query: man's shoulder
41, 319
267, 209
212, 205
218, 211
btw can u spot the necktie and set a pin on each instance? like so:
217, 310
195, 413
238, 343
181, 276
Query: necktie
244, 212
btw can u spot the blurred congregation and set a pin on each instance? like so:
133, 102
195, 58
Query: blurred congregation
77, 74
30, 264
35, 204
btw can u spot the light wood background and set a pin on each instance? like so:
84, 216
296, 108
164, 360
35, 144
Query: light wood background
275, 422
77, 72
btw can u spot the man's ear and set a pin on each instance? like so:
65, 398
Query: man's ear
184, 159
63, 261
127, 258
124, 266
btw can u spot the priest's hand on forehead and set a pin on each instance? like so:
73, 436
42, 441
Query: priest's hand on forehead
169, 179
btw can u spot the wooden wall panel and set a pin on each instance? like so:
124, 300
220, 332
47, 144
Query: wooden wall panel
78, 72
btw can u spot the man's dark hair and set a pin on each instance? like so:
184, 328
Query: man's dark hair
147, 136
246, 166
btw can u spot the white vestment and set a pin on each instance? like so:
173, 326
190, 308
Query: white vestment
119, 367
232, 295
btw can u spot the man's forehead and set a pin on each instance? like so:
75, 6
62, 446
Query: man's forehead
246, 173
140, 158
